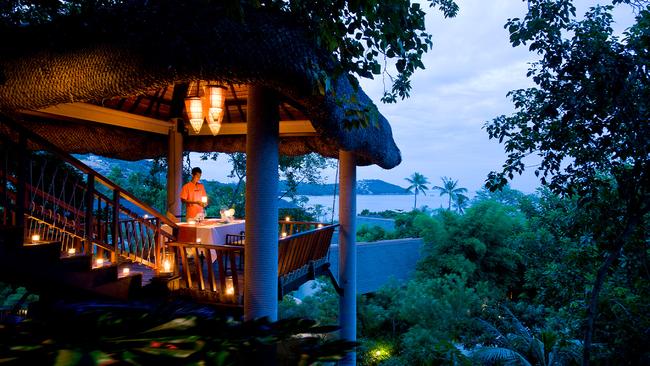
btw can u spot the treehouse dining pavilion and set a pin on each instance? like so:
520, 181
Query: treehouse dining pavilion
144, 81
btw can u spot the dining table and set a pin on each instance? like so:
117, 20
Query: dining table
209, 231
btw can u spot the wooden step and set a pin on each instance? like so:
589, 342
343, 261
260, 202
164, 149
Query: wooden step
76, 263
124, 288
93, 278
42, 252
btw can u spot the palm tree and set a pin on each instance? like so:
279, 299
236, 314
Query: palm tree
461, 202
418, 182
450, 187
524, 347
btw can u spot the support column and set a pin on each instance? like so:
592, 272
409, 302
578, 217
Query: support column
174, 173
348, 251
261, 264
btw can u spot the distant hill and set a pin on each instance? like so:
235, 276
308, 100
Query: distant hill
368, 186
104, 165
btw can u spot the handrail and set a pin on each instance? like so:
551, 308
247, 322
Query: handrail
121, 233
204, 246
308, 232
85, 169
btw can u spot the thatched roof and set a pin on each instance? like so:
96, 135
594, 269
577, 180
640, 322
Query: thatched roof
145, 46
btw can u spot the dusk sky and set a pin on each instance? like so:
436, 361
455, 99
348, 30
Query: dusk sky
468, 73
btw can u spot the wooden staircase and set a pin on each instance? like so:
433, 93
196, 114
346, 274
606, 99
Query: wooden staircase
66, 228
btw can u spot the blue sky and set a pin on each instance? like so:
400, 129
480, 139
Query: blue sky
468, 74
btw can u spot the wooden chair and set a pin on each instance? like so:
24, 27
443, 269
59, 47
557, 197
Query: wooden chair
237, 240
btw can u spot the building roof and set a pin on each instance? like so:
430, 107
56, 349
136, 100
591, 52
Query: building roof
127, 63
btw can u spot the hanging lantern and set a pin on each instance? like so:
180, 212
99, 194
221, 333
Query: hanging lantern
217, 100
194, 109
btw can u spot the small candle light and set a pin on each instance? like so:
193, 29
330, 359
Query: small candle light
320, 226
167, 266
230, 289
284, 234
36, 237
204, 199
72, 251
191, 222
99, 262
287, 218
125, 271
198, 240
146, 216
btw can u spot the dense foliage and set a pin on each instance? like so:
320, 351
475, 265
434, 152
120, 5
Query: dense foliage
504, 283
162, 333
586, 119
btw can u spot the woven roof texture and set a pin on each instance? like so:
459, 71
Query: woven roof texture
144, 45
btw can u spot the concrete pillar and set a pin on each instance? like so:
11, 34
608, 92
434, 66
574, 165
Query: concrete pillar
261, 264
174, 173
348, 251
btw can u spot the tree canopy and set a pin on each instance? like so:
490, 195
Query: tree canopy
366, 37
587, 121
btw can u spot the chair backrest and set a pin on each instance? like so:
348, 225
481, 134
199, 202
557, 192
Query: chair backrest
297, 251
233, 239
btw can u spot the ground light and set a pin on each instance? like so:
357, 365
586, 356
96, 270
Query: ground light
379, 353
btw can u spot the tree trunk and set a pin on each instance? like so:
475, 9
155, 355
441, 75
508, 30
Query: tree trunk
449, 208
592, 310
415, 202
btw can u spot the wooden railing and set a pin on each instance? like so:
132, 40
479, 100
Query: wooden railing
303, 256
210, 272
42, 186
288, 228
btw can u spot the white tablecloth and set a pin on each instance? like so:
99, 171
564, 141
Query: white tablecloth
209, 231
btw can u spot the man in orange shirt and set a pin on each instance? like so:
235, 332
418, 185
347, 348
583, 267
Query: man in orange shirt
192, 195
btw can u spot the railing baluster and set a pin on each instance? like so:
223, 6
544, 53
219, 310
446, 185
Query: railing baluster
186, 267
159, 245
212, 282
21, 176
235, 277
199, 269
115, 224
89, 197
222, 272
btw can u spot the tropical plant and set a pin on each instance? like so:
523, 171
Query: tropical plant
450, 187
586, 119
523, 347
164, 333
418, 184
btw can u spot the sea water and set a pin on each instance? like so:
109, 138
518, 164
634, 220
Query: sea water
378, 203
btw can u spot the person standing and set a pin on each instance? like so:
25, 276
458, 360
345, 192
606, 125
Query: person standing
192, 194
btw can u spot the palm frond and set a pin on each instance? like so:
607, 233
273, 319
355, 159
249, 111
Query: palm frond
491, 355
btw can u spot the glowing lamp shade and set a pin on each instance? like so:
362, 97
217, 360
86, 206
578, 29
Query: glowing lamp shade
217, 99
167, 265
194, 109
